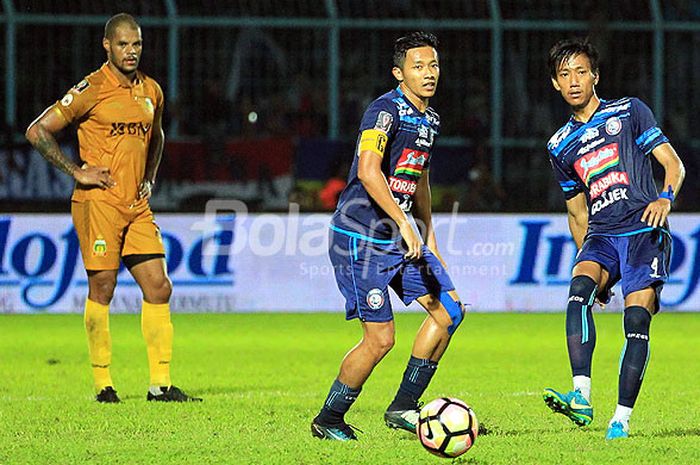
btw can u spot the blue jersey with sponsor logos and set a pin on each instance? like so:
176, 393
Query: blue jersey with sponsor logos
607, 158
410, 137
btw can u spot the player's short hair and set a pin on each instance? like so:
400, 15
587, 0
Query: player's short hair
409, 41
565, 49
121, 19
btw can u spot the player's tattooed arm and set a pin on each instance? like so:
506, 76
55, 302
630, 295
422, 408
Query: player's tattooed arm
45, 143
41, 134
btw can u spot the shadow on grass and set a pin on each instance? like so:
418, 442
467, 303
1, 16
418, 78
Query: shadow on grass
671, 433
493, 430
192, 390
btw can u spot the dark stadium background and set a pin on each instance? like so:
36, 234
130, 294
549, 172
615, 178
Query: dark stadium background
265, 97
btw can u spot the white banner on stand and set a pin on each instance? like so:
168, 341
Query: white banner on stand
279, 262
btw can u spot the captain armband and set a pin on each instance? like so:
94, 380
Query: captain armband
374, 141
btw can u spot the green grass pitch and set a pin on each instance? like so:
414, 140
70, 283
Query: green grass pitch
264, 376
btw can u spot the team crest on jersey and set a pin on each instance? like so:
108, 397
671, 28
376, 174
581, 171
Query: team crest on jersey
148, 104
81, 86
411, 162
375, 298
597, 162
99, 247
384, 120
67, 100
613, 126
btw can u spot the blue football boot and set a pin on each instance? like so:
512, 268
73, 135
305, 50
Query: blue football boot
572, 405
617, 430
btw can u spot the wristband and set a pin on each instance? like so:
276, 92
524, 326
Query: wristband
667, 194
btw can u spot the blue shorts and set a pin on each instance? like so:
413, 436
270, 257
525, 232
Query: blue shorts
366, 267
638, 261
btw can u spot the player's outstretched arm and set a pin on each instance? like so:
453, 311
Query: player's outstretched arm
674, 172
369, 171
577, 209
423, 213
155, 153
41, 135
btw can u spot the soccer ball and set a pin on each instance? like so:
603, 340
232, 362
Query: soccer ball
447, 427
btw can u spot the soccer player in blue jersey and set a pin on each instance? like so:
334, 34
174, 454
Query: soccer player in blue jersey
374, 246
601, 158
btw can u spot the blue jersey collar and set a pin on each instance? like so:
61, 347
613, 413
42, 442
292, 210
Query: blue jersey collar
406, 99
601, 105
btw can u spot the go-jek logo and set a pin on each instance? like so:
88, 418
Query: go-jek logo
547, 259
43, 268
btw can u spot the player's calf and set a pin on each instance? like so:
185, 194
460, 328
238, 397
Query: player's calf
633, 363
404, 410
580, 328
635, 354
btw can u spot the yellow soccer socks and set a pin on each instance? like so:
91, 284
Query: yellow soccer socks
158, 332
99, 342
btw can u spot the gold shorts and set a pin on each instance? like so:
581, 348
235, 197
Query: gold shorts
107, 233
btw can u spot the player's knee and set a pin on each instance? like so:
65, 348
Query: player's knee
381, 344
636, 322
102, 290
581, 289
159, 292
454, 309
166, 289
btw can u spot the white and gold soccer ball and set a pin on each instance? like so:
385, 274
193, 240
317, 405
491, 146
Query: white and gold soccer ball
447, 427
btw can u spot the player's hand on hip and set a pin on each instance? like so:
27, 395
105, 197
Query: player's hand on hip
656, 212
413, 242
97, 176
145, 190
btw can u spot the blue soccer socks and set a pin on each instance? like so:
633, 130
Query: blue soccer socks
415, 380
340, 399
580, 329
635, 354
